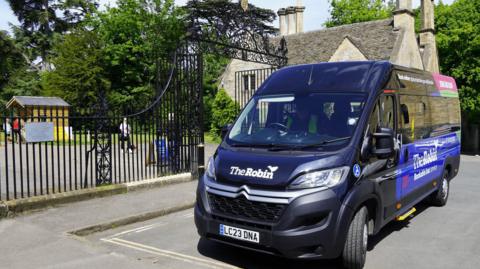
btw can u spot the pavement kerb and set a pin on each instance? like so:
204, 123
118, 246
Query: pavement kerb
131, 219
13, 207
158, 182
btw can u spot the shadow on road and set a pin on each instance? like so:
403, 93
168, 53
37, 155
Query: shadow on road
250, 259
394, 226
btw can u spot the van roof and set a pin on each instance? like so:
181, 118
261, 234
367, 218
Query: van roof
361, 76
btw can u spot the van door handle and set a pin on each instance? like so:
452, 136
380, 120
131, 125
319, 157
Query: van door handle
390, 176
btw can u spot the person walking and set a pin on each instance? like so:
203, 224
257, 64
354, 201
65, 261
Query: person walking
7, 128
16, 131
22, 132
125, 136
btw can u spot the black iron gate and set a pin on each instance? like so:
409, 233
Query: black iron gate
89, 149
108, 146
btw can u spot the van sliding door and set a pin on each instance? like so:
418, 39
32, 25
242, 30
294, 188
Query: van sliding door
418, 165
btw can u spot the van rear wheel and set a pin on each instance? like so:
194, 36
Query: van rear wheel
440, 197
355, 249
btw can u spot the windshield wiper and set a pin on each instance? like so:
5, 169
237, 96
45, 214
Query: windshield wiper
269, 146
279, 147
251, 145
325, 142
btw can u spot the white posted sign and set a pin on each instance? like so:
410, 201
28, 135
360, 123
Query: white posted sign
38, 132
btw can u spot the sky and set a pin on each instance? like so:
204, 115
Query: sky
316, 11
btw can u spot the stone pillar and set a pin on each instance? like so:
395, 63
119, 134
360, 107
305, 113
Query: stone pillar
403, 16
299, 14
407, 52
428, 17
404, 4
292, 20
282, 18
427, 37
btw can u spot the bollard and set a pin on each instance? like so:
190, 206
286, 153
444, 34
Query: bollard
201, 159
475, 132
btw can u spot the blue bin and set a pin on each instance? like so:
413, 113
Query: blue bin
162, 150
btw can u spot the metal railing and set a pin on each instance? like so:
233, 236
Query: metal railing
248, 81
58, 149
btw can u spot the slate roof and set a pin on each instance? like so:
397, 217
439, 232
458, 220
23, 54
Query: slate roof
37, 101
375, 39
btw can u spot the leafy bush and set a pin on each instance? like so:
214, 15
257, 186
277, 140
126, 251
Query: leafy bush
213, 67
224, 111
458, 41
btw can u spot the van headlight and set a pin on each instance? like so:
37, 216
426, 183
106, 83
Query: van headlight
210, 172
324, 178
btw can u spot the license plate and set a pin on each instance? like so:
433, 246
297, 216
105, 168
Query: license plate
241, 234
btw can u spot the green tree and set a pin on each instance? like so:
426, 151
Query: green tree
23, 82
224, 111
458, 41
214, 66
10, 58
16, 77
42, 20
136, 33
353, 11
79, 74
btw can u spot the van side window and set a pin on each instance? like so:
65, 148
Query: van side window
374, 121
445, 115
388, 119
383, 114
415, 119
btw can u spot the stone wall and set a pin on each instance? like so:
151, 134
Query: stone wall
228, 79
347, 51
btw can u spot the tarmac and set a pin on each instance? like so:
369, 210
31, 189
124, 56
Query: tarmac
153, 228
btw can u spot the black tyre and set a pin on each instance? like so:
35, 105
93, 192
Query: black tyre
440, 197
355, 250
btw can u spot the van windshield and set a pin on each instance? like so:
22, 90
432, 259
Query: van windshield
298, 121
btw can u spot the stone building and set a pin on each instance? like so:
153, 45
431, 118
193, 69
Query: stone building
392, 39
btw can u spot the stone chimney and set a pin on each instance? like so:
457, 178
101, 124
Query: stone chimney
404, 4
282, 18
292, 20
403, 16
407, 53
299, 14
427, 37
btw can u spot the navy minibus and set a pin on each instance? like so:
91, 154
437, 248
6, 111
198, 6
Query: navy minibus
324, 155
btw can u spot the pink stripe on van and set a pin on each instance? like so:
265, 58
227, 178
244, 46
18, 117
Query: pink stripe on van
445, 83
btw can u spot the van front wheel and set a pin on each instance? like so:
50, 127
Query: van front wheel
440, 197
355, 249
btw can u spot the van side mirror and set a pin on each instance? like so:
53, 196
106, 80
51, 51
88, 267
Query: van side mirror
225, 130
384, 143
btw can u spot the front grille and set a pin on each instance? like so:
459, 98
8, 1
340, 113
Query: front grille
236, 221
245, 209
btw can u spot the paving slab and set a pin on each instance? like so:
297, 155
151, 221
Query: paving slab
41, 239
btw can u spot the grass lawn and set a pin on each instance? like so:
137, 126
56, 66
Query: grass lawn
209, 138
141, 138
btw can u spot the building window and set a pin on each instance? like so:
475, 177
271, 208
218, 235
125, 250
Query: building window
253, 82
245, 82
249, 82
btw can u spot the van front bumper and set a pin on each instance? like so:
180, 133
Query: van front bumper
312, 225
